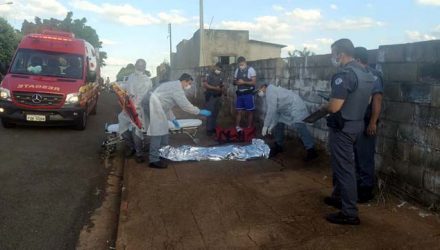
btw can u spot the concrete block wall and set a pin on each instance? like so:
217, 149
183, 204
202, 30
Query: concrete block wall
408, 148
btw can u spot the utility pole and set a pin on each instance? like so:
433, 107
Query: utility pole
202, 34
171, 42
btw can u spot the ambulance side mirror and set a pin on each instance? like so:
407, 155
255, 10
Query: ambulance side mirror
91, 74
4, 68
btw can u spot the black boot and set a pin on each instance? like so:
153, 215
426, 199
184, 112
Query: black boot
333, 202
275, 149
311, 155
140, 159
129, 152
342, 219
158, 164
365, 194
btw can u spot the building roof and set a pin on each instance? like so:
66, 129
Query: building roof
236, 31
224, 30
266, 43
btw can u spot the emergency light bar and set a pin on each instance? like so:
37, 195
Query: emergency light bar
58, 33
40, 36
54, 35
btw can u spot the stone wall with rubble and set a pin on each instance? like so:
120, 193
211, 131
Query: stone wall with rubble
408, 148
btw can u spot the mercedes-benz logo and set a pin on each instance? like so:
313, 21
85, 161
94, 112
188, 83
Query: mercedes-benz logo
37, 98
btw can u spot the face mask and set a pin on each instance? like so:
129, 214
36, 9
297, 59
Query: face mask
335, 61
242, 67
261, 93
217, 72
140, 72
187, 87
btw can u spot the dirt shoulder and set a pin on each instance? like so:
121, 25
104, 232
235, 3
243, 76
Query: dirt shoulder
275, 204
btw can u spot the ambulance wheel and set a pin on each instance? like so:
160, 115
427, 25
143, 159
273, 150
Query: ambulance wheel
93, 112
82, 122
7, 124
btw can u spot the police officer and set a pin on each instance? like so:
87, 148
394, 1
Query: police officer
350, 96
366, 141
214, 89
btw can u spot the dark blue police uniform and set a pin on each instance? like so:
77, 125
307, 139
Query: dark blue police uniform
365, 148
213, 100
353, 84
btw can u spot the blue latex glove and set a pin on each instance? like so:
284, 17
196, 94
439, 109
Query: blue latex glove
176, 124
205, 112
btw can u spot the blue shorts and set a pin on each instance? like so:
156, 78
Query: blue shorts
245, 102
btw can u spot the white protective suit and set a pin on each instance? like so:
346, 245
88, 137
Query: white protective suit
162, 100
283, 106
137, 85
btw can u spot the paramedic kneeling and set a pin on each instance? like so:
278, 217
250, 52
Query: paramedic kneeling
284, 107
160, 103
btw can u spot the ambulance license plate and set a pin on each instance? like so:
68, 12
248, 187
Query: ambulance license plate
36, 118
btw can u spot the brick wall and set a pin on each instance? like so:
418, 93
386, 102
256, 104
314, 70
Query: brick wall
408, 148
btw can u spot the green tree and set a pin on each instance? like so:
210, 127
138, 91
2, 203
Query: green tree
301, 53
163, 72
9, 39
68, 24
127, 70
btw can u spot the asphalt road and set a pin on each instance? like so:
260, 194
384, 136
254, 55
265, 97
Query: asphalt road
51, 179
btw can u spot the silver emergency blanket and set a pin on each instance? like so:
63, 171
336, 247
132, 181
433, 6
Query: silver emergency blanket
258, 149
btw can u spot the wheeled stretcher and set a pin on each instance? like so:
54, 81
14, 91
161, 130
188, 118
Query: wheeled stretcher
188, 127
